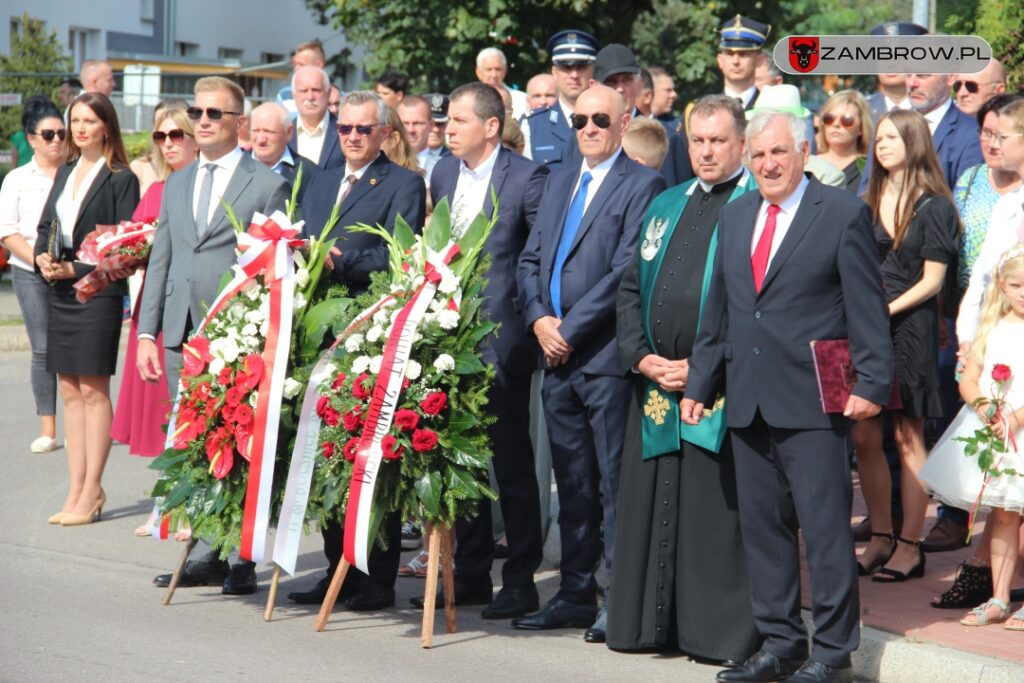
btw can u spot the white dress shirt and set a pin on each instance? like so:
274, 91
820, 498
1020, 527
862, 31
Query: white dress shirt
1003, 227
22, 198
471, 190
597, 176
783, 219
427, 159
747, 96
935, 115
69, 203
311, 142
286, 160
344, 179
890, 105
226, 166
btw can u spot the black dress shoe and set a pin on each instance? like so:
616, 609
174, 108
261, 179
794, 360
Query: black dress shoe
762, 666
464, 595
596, 633
510, 603
197, 573
241, 580
316, 594
558, 613
816, 672
371, 597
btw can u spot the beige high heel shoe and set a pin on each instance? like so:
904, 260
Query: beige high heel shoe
71, 519
56, 519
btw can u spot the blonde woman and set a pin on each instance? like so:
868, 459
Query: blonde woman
845, 135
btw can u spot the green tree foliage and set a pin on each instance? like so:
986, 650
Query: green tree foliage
1000, 22
33, 50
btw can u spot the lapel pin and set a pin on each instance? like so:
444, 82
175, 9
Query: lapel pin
373, 181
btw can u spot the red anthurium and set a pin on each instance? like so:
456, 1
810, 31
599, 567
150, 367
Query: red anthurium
243, 439
407, 419
253, 365
222, 463
424, 440
195, 354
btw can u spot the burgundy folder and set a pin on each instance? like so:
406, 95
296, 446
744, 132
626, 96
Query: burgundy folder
836, 375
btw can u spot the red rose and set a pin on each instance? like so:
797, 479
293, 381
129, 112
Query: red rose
424, 440
407, 419
327, 448
338, 381
234, 396
322, 404
243, 414
434, 403
195, 354
359, 388
350, 449
392, 449
331, 417
352, 419
1001, 373
224, 378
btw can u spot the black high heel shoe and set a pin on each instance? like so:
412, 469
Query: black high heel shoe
879, 561
886, 575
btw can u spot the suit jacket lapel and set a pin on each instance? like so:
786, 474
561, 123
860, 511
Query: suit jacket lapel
946, 125
330, 143
806, 214
608, 186
498, 175
374, 175
94, 188
240, 179
561, 187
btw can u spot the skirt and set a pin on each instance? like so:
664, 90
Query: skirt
82, 339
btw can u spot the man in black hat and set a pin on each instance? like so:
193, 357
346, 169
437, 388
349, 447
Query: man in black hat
436, 149
548, 137
892, 88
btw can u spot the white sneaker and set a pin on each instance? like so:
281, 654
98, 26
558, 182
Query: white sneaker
44, 444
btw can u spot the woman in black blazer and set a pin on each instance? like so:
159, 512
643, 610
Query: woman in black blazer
94, 188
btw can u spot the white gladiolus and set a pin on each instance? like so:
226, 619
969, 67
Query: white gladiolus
374, 333
361, 364
449, 281
381, 316
249, 330
444, 363
448, 319
291, 388
412, 370
299, 300
255, 317
353, 343
302, 277
375, 364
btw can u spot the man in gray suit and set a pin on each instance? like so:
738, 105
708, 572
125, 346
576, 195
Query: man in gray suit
193, 248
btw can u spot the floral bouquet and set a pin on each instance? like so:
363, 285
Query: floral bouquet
394, 416
117, 251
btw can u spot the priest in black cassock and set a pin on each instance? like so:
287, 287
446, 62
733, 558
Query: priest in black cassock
680, 576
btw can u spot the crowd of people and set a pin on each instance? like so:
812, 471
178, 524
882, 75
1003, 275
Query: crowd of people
668, 275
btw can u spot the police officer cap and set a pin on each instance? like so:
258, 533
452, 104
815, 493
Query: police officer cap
572, 45
741, 33
614, 59
438, 107
899, 28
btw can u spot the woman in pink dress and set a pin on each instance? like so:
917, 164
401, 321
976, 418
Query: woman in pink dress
142, 407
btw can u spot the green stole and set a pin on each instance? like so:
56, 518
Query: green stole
662, 427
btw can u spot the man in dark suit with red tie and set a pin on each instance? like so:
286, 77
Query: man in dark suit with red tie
797, 263
585, 236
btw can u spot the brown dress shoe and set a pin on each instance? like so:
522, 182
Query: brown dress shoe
946, 535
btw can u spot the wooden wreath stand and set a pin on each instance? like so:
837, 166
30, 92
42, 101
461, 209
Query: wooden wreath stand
178, 571
442, 546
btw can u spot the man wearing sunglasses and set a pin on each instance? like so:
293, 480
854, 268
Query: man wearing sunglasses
973, 90
547, 134
194, 247
315, 136
584, 238
269, 130
369, 188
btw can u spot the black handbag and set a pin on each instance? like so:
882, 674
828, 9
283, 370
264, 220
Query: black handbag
55, 242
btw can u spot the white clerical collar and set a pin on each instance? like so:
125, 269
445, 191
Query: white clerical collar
707, 188
934, 117
483, 170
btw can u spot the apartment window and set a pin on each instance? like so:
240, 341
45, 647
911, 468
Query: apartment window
183, 49
229, 53
80, 40
271, 57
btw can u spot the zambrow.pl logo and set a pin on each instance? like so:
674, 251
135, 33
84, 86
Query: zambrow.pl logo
849, 55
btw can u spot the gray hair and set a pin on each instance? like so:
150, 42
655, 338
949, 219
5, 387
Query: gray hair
761, 120
358, 98
323, 75
488, 52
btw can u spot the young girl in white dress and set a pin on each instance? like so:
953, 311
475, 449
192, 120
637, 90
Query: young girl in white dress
955, 478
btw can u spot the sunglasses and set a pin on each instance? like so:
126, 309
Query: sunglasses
346, 129
579, 121
176, 135
846, 121
972, 87
49, 135
212, 113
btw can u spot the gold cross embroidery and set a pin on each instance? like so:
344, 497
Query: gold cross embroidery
656, 407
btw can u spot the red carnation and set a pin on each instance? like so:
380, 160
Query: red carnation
327, 448
434, 403
338, 381
234, 396
224, 378
322, 404
1001, 373
424, 440
350, 449
202, 392
407, 419
392, 449
243, 414
352, 419
359, 388
331, 417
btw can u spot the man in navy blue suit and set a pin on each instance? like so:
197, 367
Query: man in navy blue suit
315, 136
583, 240
476, 116
370, 189
954, 133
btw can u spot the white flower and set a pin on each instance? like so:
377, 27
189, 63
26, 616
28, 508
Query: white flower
412, 370
302, 277
438, 304
381, 316
330, 369
255, 317
249, 330
264, 328
444, 363
375, 364
291, 388
353, 343
374, 333
449, 281
252, 291
299, 259
254, 398
216, 365
299, 300
251, 344
225, 348
448, 319
359, 365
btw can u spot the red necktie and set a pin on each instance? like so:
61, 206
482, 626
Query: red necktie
763, 250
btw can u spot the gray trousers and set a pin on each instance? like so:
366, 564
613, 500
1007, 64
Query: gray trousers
33, 297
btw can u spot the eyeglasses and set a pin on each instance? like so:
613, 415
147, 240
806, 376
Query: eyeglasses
346, 129
972, 86
48, 135
846, 121
579, 121
1001, 137
212, 113
176, 135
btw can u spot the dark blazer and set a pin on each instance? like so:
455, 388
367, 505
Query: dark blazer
385, 191
331, 155
957, 144
111, 198
876, 103
602, 250
310, 171
552, 139
822, 283
519, 184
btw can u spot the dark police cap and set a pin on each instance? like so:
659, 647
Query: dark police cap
572, 45
899, 28
614, 59
741, 33
438, 107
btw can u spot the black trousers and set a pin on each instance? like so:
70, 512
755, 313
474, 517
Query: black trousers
788, 481
383, 564
509, 401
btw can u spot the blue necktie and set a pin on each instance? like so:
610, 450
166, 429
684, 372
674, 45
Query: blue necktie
573, 218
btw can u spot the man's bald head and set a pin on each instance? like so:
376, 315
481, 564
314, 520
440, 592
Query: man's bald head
97, 76
270, 128
602, 112
608, 97
541, 91
986, 84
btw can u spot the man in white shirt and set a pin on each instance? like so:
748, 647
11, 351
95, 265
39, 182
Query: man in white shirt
315, 136
492, 68
308, 53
